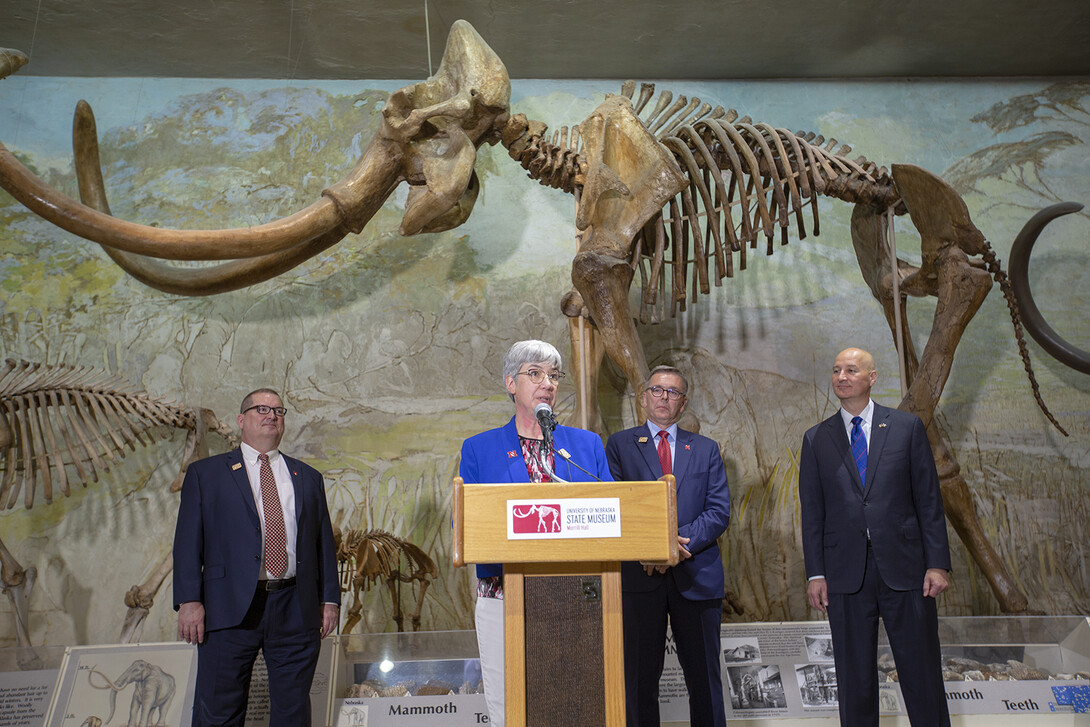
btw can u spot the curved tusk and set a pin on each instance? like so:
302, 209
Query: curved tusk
1051, 341
168, 278
90, 224
347, 204
222, 278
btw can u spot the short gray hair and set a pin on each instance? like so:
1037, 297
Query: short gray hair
664, 369
525, 352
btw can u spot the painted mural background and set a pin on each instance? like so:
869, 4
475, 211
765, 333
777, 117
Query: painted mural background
387, 350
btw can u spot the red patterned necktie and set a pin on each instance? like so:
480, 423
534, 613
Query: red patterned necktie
276, 539
664, 453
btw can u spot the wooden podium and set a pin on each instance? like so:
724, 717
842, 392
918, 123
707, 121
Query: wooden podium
561, 545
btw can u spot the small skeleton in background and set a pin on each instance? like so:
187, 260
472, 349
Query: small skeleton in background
368, 556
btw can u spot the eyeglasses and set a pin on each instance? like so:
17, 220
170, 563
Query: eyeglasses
536, 376
671, 394
264, 409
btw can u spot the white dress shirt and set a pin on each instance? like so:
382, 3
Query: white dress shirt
285, 489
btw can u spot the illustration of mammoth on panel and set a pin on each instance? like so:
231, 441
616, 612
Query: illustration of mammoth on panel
154, 690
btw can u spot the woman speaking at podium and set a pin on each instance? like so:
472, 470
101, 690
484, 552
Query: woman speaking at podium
529, 448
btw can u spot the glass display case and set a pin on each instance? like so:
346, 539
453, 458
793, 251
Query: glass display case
431, 676
1007, 670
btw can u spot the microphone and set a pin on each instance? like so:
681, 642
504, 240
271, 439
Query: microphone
546, 419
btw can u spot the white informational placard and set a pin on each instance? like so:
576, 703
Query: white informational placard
785, 671
24, 696
109, 683
451, 710
559, 518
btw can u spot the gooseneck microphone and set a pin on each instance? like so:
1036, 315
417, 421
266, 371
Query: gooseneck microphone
547, 420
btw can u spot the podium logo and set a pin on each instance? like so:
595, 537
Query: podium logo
536, 518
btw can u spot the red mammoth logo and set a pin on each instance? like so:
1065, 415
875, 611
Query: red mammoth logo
538, 518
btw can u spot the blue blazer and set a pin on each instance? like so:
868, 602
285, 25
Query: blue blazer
496, 456
900, 504
703, 507
217, 543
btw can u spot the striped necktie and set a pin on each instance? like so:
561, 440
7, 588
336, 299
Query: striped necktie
859, 449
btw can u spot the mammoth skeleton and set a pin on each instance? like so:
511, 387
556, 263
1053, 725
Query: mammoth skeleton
672, 189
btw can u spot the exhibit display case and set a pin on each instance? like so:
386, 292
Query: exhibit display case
1007, 670
420, 678
1025, 670
1022, 667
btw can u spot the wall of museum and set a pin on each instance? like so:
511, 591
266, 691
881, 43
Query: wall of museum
387, 350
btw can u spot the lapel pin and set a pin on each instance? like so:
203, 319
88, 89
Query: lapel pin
686, 448
882, 425
511, 454
642, 440
236, 466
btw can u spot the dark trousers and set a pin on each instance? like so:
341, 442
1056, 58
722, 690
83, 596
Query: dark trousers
912, 624
225, 662
695, 626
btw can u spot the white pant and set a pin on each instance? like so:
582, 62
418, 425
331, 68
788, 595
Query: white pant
488, 617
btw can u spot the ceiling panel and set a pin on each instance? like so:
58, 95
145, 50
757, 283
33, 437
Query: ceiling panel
640, 39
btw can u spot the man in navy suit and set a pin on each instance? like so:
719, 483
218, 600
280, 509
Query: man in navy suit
254, 568
690, 593
875, 544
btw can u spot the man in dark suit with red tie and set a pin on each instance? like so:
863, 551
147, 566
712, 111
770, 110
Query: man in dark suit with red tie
690, 593
254, 568
875, 544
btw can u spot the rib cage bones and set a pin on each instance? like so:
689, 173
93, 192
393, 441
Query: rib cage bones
745, 178
60, 416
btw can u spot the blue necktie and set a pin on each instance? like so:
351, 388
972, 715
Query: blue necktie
859, 449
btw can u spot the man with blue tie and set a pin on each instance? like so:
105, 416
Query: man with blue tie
875, 544
254, 569
690, 593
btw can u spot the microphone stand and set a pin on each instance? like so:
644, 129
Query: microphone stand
547, 444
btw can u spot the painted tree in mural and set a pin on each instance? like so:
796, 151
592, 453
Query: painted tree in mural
673, 189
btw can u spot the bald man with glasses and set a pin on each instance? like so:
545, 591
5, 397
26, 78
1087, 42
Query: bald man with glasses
254, 569
689, 594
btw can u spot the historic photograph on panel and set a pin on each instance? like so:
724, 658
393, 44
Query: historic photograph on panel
817, 684
741, 650
819, 648
756, 687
